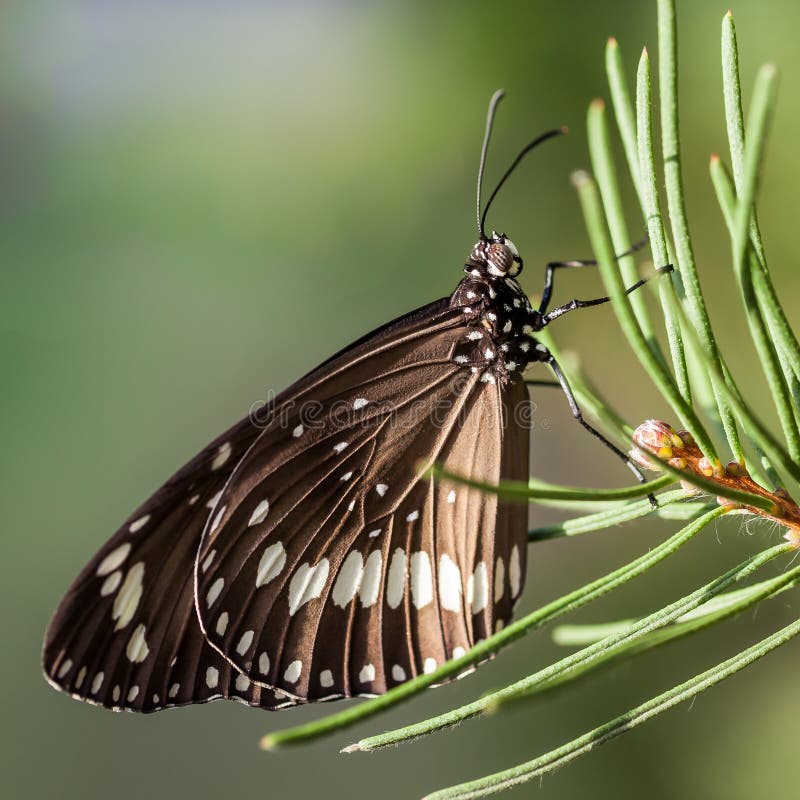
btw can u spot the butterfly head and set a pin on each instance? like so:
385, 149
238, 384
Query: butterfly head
497, 257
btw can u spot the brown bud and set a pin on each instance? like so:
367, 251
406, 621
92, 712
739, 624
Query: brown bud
657, 438
736, 470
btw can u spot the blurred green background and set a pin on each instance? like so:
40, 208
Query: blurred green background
202, 200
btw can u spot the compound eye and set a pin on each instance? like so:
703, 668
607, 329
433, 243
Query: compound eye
499, 259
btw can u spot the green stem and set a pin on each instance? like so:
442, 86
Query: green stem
622, 724
755, 429
602, 520
609, 188
536, 619
655, 224
626, 122
686, 265
721, 607
593, 214
576, 661
780, 329
754, 285
758, 123
517, 490
623, 111
718, 609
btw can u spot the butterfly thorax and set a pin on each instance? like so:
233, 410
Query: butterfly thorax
499, 319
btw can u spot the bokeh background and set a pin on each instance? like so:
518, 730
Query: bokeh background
202, 200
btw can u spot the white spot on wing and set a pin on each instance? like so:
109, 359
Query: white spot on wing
376, 532
340, 447
292, 674
263, 664
381, 489
396, 579
499, 579
110, 583
113, 560
367, 674
97, 682
398, 673
214, 591
209, 559
449, 584
127, 600
458, 652
371, 579
515, 572
133, 693
259, 513
479, 583
473, 336
421, 579
138, 524
348, 580
429, 665
326, 679
81, 676
65, 667
245, 642
242, 683
413, 516
222, 623
346, 476
174, 689
212, 677
272, 562
307, 584
217, 520
214, 500
137, 650
359, 403
297, 432
451, 496
223, 454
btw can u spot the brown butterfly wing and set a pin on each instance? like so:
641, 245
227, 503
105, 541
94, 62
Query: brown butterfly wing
344, 571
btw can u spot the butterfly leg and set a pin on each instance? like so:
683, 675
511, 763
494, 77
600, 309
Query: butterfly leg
532, 382
550, 360
547, 318
549, 271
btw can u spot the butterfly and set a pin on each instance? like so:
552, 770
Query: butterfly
303, 555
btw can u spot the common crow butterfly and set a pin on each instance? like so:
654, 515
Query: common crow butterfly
302, 556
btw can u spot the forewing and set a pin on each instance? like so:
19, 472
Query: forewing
126, 635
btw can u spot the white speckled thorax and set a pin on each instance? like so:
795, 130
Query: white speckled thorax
499, 317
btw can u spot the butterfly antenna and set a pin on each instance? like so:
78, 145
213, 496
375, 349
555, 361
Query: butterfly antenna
487, 135
525, 150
